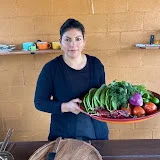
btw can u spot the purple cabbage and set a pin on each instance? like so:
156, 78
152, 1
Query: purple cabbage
136, 100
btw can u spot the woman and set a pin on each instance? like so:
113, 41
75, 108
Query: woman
68, 78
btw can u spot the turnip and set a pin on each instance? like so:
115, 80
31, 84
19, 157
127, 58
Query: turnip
136, 100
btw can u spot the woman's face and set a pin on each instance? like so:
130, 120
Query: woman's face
72, 43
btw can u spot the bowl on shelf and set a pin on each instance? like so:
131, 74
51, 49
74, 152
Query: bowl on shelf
7, 47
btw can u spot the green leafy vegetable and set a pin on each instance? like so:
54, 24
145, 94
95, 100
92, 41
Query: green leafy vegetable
112, 97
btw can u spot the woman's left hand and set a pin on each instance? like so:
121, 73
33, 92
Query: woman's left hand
71, 106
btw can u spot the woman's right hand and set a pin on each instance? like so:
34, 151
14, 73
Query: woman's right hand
71, 106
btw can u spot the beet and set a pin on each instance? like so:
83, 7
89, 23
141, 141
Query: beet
103, 113
120, 114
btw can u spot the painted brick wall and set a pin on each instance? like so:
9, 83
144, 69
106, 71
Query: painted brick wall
111, 33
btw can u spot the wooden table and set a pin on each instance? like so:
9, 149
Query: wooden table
148, 149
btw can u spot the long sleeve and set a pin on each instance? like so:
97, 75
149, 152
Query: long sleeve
43, 93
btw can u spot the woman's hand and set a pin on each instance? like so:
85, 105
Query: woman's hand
71, 106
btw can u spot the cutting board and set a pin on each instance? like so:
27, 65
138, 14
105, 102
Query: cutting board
69, 149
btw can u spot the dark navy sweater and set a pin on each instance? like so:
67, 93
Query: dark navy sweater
63, 83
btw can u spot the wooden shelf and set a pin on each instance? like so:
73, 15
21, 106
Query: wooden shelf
16, 52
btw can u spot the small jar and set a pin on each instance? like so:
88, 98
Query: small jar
157, 42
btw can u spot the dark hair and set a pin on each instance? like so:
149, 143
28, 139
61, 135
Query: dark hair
71, 24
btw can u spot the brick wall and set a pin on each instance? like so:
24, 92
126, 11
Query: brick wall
111, 33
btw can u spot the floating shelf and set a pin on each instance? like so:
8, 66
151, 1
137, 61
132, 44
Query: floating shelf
15, 52
148, 46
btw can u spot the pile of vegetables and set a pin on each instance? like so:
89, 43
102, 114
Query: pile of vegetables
120, 100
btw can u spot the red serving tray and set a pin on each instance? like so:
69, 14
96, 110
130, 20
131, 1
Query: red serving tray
123, 120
